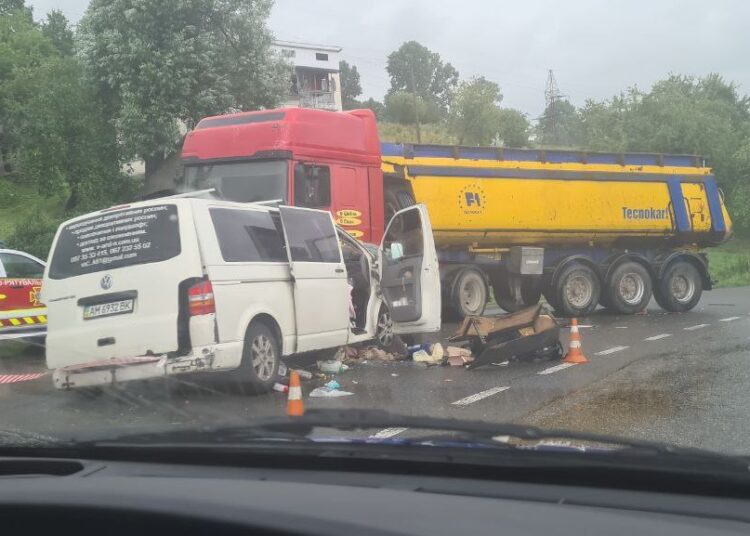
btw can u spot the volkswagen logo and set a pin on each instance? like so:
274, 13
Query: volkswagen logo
106, 282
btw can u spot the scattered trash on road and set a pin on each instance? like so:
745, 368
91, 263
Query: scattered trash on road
332, 366
304, 374
524, 334
333, 385
280, 387
323, 392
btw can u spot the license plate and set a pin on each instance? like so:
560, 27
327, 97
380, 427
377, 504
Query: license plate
108, 309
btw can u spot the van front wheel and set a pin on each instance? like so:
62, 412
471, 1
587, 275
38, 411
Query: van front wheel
260, 357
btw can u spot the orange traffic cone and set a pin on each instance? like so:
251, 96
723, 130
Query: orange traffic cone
294, 406
575, 354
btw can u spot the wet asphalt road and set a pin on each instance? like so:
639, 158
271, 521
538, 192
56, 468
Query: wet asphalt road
687, 385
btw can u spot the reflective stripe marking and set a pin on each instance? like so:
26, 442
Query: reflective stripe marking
295, 393
16, 378
697, 326
15, 321
479, 396
42, 319
612, 350
28, 319
657, 337
561, 366
385, 433
575, 344
730, 319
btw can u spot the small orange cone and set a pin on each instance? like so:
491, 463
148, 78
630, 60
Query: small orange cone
575, 354
294, 406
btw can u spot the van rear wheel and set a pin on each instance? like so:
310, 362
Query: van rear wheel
260, 357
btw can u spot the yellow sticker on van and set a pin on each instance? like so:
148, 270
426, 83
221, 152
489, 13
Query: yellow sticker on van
355, 233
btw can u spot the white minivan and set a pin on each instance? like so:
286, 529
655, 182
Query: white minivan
181, 285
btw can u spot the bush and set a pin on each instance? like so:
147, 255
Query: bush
34, 236
399, 107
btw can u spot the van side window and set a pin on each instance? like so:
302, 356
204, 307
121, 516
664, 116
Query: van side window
312, 237
248, 235
312, 186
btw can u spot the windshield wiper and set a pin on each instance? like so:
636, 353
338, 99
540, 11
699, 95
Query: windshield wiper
454, 431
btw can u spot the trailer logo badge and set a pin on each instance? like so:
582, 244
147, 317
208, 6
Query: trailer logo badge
471, 200
106, 282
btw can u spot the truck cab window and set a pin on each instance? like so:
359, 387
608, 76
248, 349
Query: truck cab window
312, 186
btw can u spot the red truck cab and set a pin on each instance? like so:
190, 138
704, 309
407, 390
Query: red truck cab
303, 157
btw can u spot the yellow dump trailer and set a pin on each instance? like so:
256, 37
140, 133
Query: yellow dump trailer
579, 227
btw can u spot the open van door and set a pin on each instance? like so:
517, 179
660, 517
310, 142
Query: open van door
410, 279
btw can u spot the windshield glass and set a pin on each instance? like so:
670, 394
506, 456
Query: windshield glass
241, 181
534, 214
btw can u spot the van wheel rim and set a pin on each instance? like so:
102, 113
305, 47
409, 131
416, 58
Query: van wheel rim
682, 288
384, 333
471, 295
579, 291
264, 358
632, 288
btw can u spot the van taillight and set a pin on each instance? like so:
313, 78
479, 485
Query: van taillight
201, 299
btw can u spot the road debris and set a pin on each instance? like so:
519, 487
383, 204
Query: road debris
459, 360
332, 366
524, 334
280, 387
324, 392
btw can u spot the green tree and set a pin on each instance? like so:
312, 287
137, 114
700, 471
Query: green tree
57, 29
560, 125
474, 116
61, 136
513, 128
351, 88
161, 65
406, 108
376, 106
8, 7
416, 69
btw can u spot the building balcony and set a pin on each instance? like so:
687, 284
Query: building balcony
322, 100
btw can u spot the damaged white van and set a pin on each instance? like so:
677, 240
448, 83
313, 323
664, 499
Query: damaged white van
183, 285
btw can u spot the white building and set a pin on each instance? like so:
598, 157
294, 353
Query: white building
316, 82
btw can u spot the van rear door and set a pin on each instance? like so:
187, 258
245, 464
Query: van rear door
116, 283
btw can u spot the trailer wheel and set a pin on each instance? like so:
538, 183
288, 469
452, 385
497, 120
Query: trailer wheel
531, 293
577, 290
469, 293
680, 288
629, 289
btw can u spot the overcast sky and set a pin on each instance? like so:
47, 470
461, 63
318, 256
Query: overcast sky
595, 47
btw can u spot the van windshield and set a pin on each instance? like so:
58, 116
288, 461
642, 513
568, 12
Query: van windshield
244, 182
115, 240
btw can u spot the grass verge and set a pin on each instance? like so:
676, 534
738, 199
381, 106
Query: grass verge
730, 263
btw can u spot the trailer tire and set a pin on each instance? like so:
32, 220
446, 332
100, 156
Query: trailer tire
680, 288
469, 293
577, 290
629, 289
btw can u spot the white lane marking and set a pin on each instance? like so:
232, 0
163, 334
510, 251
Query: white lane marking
697, 326
561, 366
612, 350
729, 319
657, 337
385, 433
583, 326
479, 396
